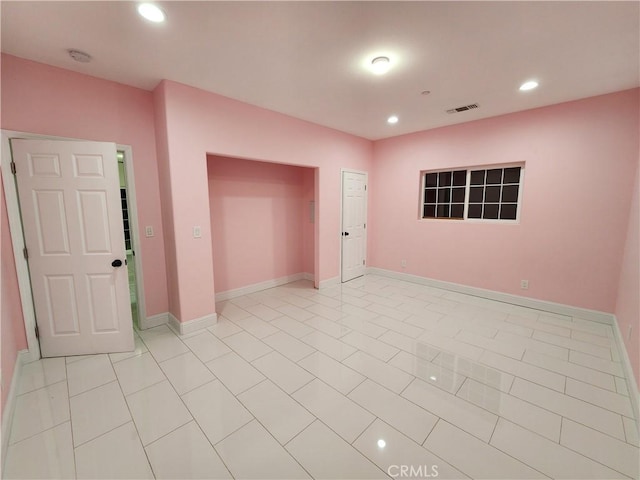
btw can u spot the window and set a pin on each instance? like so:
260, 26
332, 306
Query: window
444, 194
484, 194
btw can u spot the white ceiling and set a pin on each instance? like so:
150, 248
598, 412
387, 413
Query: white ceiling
306, 59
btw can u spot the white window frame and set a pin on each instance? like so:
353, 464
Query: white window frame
465, 217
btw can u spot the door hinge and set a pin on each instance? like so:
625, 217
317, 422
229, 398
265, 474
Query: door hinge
37, 332
365, 188
13, 167
25, 252
363, 262
365, 225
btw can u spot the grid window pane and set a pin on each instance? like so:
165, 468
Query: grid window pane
429, 211
510, 193
476, 194
459, 178
512, 175
494, 176
492, 194
457, 195
457, 210
490, 210
508, 211
430, 195
477, 177
444, 195
475, 211
444, 179
443, 211
431, 180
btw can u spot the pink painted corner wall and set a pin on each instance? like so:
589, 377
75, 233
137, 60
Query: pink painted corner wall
12, 322
196, 123
38, 98
628, 301
580, 159
257, 225
308, 220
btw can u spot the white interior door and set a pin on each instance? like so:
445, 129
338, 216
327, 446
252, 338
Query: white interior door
69, 195
354, 226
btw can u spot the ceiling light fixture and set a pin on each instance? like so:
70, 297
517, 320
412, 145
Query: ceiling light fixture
382, 443
380, 65
152, 12
530, 85
392, 119
79, 56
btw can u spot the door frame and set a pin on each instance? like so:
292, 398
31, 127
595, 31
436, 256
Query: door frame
17, 236
366, 216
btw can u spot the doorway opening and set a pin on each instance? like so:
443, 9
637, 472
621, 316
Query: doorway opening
127, 228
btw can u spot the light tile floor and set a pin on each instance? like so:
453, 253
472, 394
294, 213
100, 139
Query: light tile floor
375, 378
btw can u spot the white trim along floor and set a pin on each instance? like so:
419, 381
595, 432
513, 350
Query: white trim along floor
376, 378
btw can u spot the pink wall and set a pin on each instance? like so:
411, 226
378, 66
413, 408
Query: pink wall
308, 230
257, 225
580, 160
628, 301
12, 322
196, 123
38, 98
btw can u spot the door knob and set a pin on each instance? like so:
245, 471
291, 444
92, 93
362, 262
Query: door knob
116, 263
345, 234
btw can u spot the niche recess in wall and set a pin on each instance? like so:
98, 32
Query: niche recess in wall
262, 226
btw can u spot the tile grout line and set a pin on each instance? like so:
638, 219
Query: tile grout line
73, 447
135, 426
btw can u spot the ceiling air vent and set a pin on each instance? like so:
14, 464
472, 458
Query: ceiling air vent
463, 108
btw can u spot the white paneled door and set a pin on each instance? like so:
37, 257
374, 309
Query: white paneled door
69, 196
354, 226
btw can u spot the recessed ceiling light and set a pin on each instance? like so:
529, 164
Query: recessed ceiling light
79, 56
530, 85
433, 377
151, 12
382, 443
392, 119
380, 65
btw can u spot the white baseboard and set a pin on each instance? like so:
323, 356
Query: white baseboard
632, 385
22, 358
190, 326
154, 320
558, 308
308, 276
329, 282
257, 287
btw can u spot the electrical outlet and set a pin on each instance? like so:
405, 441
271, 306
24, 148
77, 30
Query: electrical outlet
403, 264
197, 232
148, 231
524, 284
629, 330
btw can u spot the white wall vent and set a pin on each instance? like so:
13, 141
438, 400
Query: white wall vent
463, 108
